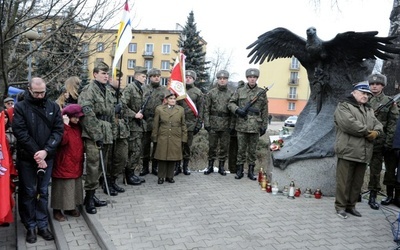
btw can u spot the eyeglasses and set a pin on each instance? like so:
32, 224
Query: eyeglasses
37, 93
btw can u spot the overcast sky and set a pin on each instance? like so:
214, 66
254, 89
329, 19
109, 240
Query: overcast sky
232, 26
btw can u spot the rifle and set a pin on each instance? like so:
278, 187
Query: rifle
143, 107
388, 104
248, 105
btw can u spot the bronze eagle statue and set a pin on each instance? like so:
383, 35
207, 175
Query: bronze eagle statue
332, 67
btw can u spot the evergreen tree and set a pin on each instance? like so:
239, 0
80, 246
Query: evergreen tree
59, 57
193, 48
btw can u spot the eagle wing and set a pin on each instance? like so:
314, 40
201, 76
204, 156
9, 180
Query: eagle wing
357, 46
277, 43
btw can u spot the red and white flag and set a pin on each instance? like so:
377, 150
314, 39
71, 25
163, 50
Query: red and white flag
5, 192
177, 82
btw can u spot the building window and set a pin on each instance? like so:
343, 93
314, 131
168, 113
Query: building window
164, 81
292, 106
165, 65
295, 64
294, 77
100, 47
130, 79
132, 48
148, 64
84, 63
293, 93
131, 63
149, 48
85, 47
166, 49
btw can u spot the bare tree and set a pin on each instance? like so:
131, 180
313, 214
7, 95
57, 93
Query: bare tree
18, 17
220, 60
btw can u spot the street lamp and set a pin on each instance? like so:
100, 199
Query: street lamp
31, 35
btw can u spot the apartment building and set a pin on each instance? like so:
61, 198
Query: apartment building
291, 90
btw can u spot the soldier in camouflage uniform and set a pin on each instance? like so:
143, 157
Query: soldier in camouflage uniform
119, 150
157, 94
383, 144
217, 122
251, 123
98, 106
133, 96
193, 123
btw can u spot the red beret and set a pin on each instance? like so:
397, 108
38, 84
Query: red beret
73, 110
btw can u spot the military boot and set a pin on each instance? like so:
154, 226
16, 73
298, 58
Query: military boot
115, 185
250, 174
210, 168
396, 200
372, 200
98, 202
145, 169
185, 166
89, 202
178, 168
130, 177
113, 192
239, 172
221, 168
154, 167
389, 199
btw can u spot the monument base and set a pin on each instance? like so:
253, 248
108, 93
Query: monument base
310, 173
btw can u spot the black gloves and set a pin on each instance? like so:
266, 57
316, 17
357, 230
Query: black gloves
208, 129
118, 108
241, 113
195, 131
232, 131
262, 131
99, 143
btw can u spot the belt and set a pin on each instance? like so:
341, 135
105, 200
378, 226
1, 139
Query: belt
220, 114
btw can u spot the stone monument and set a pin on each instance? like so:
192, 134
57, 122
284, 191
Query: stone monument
333, 67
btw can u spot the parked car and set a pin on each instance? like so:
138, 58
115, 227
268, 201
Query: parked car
290, 121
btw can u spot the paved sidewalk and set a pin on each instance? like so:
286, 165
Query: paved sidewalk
217, 212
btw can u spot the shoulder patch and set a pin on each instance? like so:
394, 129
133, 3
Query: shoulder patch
86, 110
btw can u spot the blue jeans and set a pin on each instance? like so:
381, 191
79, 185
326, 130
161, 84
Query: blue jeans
33, 194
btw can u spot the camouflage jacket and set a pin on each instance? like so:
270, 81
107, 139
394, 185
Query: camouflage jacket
258, 114
99, 113
388, 117
120, 126
157, 96
197, 97
216, 113
133, 97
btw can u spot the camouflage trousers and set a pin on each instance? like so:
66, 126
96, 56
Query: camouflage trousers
247, 148
186, 148
135, 151
117, 158
218, 145
93, 164
146, 147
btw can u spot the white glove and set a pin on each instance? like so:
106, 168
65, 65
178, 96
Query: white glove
2, 170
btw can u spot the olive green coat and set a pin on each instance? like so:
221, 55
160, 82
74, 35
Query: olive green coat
169, 132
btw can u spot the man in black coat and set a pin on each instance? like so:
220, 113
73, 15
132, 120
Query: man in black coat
38, 127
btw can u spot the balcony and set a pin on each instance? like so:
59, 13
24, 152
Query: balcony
148, 54
292, 97
294, 66
293, 82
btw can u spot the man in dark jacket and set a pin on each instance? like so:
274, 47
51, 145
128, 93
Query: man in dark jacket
38, 127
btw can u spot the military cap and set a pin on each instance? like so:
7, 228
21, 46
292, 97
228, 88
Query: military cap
154, 72
169, 93
140, 70
8, 99
191, 73
377, 78
73, 110
363, 87
102, 66
223, 73
252, 72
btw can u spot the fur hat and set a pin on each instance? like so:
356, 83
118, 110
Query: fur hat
191, 73
377, 78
